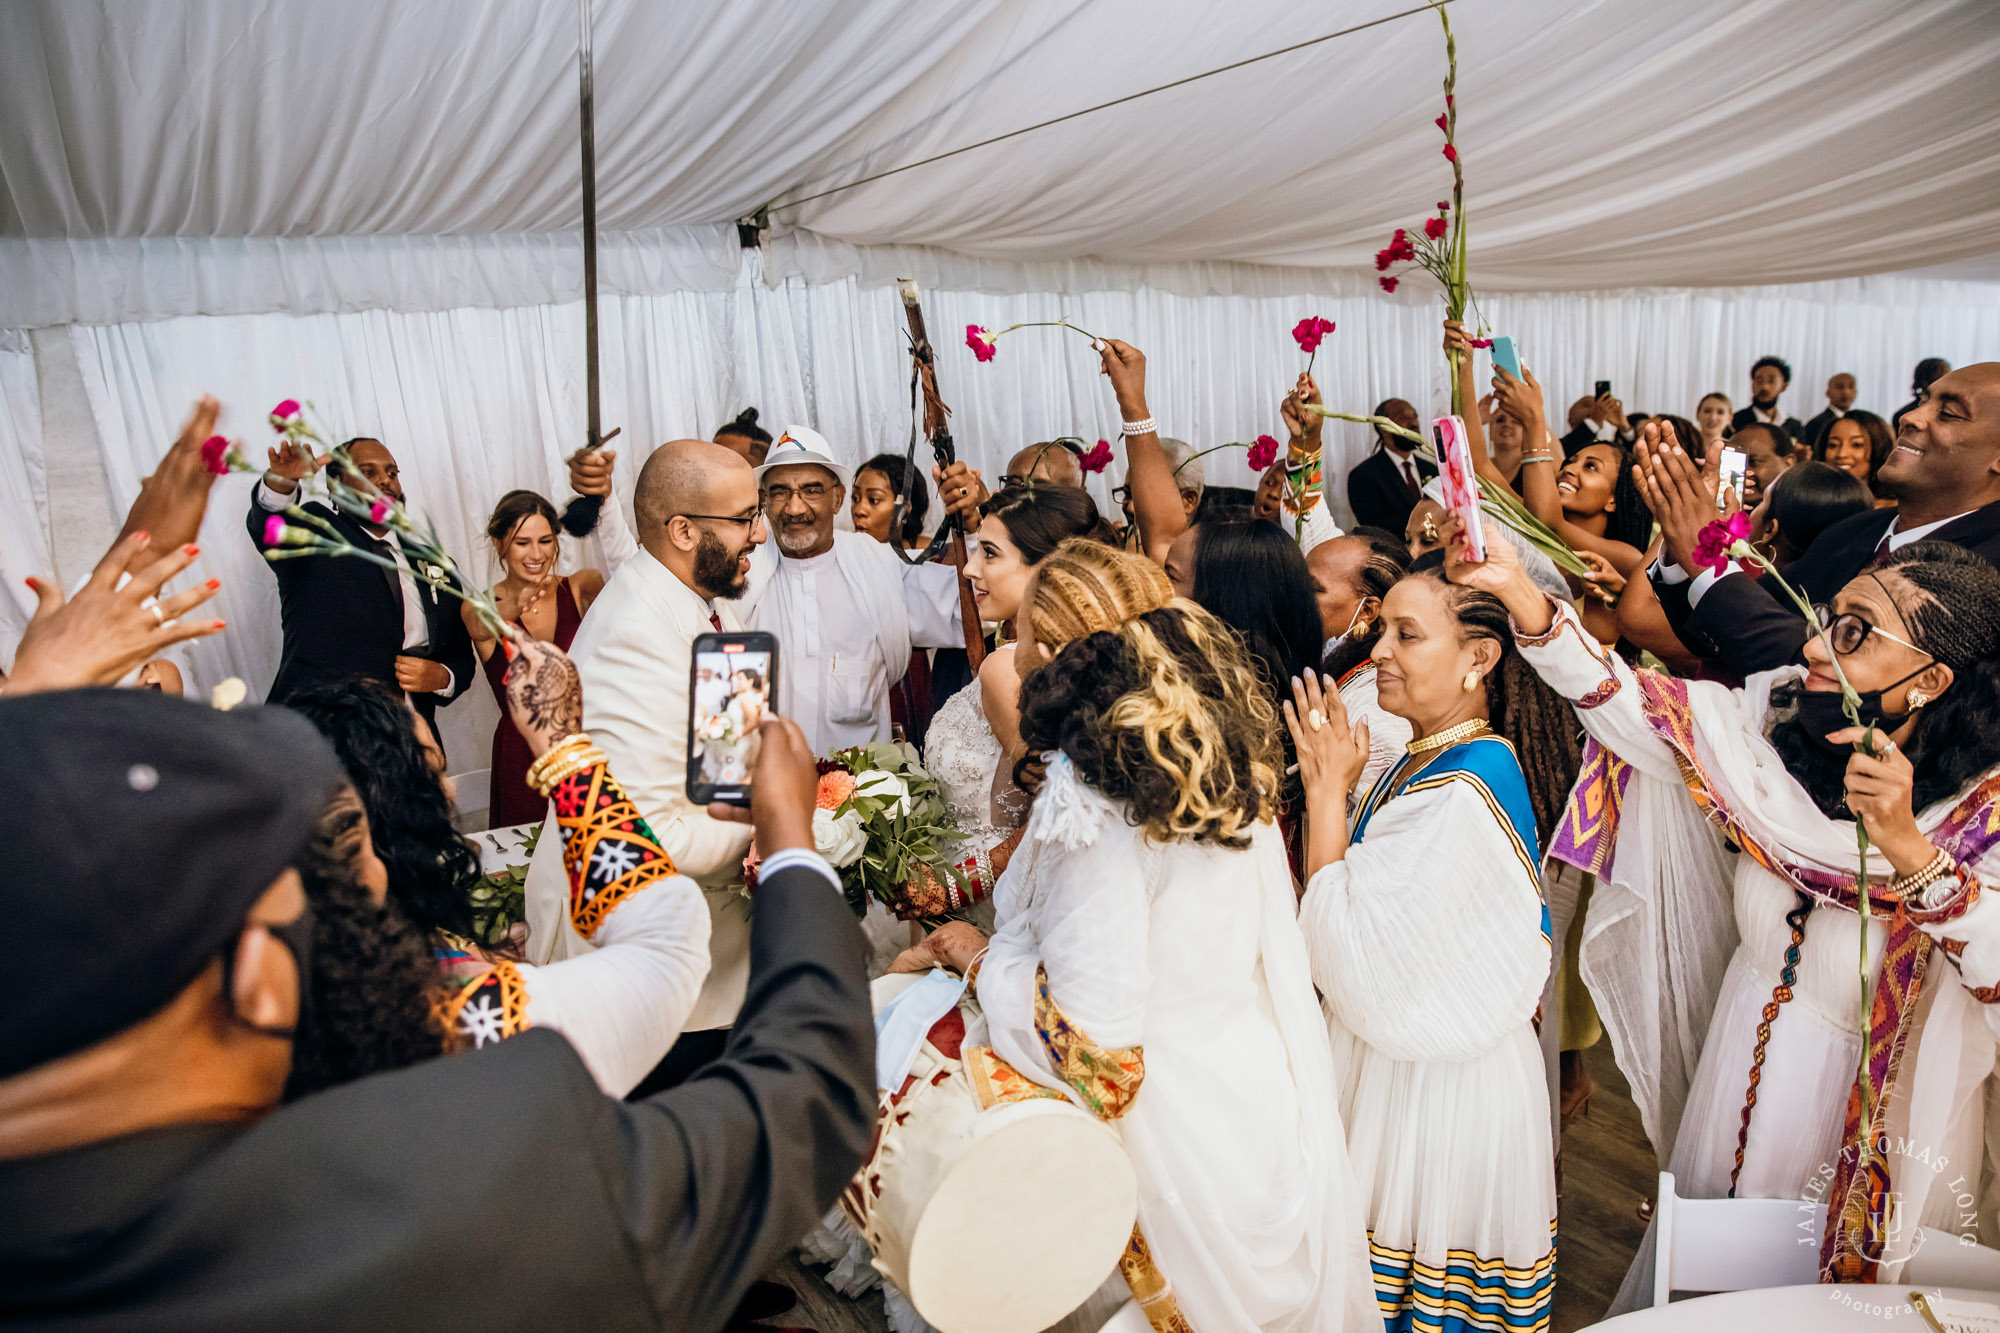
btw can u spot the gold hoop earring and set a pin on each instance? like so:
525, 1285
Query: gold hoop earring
1470, 683
1916, 700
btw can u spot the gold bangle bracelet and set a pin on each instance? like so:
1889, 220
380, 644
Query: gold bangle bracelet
554, 755
578, 762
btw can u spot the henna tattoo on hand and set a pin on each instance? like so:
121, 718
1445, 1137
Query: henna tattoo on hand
545, 693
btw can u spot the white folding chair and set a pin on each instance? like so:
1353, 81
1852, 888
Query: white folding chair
1942, 1259
473, 798
1732, 1244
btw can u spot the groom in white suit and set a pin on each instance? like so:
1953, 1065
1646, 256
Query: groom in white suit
698, 522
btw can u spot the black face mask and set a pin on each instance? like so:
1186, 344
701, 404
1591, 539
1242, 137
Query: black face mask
1820, 714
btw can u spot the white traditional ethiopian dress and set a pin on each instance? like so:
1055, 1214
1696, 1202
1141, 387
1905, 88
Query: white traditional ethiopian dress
1165, 989
1728, 973
1431, 945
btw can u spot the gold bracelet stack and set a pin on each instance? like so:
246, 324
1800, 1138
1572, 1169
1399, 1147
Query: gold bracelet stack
1933, 870
567, 757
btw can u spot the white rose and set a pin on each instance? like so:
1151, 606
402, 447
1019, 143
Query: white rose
839, 837
228, 694
884, 786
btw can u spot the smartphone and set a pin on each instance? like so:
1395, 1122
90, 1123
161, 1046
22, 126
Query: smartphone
1505, 358
1457, 481
1735, 467
1603, 389
732, 681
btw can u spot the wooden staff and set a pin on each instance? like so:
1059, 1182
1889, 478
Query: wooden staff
948, 546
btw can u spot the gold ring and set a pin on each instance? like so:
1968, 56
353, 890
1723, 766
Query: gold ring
1316, 719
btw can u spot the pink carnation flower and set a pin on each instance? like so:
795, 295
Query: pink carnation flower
980, 341
379, 511
1482, 342
274, 530
1712, 543
1263, 453
1309, 331
284, 412
1097, 459
215, 454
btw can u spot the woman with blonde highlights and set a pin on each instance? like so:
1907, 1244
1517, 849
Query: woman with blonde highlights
1148, 963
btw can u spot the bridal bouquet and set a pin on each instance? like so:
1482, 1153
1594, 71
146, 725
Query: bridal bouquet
718, 729
879, 818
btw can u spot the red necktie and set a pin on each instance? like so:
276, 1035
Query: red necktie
1410, 480
715, 619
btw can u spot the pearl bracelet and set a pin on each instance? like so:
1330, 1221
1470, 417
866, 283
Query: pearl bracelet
1146, 427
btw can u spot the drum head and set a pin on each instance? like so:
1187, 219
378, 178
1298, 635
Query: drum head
1028, 1223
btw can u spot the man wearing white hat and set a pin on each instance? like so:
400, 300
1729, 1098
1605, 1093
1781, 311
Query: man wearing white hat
845, 610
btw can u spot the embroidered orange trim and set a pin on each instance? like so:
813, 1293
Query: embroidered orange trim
997, 1083
491, 1009
1150, 1287
608, 849
1106, 1079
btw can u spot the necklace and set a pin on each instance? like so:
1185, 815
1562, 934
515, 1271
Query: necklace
1449, 736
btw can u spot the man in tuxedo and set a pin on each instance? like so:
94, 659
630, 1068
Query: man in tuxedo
1385, 486
699, 524
1840, 392
153, 1179
1769, 378
347, 617
1945, 468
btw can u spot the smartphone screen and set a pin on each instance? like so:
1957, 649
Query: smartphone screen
1505, 357
732, 680
1735, 467
1603, 388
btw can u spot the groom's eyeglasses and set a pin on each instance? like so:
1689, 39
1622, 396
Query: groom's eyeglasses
747, 520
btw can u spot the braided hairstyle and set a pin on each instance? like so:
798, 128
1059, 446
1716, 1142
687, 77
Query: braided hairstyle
1165, 713
1386, 560
1520, 706
1084, 586
1631, 521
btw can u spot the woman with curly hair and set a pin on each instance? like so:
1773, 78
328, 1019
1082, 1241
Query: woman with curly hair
1430, 940
392, 986
1729, 947
1148, 966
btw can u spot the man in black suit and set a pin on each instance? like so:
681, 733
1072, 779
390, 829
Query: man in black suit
1945, 468
1768, 380
1385, 486
347, 617
151, 1178
1840, 392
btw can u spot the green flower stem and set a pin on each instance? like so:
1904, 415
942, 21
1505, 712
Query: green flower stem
482, 606
1044, 324
1850, 706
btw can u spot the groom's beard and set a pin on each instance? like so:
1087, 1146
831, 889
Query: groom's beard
375, 988
716, 569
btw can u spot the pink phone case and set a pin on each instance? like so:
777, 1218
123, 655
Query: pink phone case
1460, 484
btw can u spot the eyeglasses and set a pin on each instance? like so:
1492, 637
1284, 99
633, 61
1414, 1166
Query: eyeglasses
1845, 633
1121, 495
751, 521
812, 492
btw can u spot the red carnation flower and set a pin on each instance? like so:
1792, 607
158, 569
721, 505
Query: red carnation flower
286, 410
1434, 228
1482, 342
1388, 284
980, 341
215, 455
1382, 260
1263, 453
1097, 459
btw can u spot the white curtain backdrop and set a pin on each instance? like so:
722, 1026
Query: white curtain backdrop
24, 492
477, 401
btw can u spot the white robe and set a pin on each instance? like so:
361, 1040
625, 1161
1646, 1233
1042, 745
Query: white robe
1428, 942
846, 622
1683, 946
1193, 952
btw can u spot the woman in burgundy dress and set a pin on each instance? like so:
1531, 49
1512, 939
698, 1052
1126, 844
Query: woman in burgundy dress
549, 607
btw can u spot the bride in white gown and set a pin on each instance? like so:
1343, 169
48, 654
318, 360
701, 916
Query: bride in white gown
1148, 963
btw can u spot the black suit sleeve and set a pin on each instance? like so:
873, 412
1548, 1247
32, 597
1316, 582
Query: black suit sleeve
722, 1174
451, 646
1753, 627
1365, 498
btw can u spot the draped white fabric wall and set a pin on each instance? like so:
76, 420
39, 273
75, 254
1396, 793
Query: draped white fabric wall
24, 495
477, 401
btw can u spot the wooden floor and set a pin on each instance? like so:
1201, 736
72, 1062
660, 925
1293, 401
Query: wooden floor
1608, 1170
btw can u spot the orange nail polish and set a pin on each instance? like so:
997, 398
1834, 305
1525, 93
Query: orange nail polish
190, 550
213, 584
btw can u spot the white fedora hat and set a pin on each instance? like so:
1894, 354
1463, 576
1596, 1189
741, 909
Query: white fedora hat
796, 445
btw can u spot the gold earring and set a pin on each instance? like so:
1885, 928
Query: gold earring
1470, 683
1917, 700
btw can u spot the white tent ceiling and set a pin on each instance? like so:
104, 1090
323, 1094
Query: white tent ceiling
1608, 143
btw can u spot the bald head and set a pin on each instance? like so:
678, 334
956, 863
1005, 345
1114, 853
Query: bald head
1046, 464
691, 477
